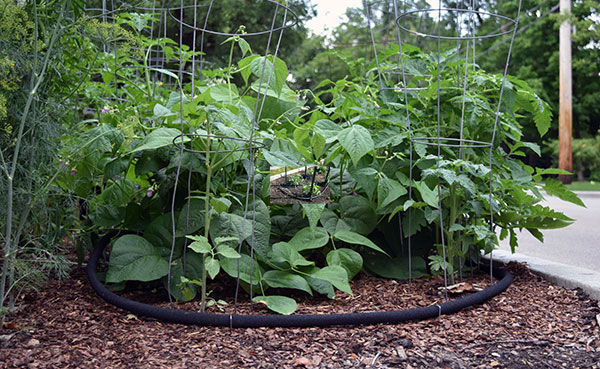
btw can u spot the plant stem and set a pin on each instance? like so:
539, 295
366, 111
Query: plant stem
206, 213
312, 183
341, 176
147, 74
451, 249
229, 72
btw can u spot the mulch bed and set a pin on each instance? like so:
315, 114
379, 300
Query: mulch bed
533, 324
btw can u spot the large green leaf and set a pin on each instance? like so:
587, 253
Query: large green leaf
348, 183
220, 204
262, 227
281, 159
317, 143
103, 138
358, 212
133, 258
212, 267
282, 279
107, 216
388, 191
286, 225
116, 167
200, 244
313, 213
191, 221
327, 129
276, 73
227, 251
120, 193
148, 162
162, 112
308, 238
554, 187
347, 259
283, 252
356, 239
160, 137
224, 93
542, 116
193, 271
417, 220
244, 66
357, 142
332, 223
519, 174
291, 158
430, 197
336, 275
321, 286
279, 304
230, 266
366, 178
230, 225
159, 233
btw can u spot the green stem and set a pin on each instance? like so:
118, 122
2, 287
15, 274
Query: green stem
147, 74
222, 159
206, 213
341, 175
229, 72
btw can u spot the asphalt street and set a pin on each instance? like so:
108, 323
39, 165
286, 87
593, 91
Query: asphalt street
576, 245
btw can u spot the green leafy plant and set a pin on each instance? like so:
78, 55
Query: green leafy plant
308, 188
369, 142
31, 47
296, 180
210, 259
135, 169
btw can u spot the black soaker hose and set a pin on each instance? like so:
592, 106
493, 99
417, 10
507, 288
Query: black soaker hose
322, 320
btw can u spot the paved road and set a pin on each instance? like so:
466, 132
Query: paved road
577, 245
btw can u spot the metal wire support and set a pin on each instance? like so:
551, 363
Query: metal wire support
438, 29
193, 19
186, 72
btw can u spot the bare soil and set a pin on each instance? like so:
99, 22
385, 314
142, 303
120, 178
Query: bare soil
533, 324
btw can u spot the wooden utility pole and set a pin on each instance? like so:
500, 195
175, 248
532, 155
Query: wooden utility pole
565, 117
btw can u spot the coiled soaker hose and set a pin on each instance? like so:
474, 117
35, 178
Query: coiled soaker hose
307, 320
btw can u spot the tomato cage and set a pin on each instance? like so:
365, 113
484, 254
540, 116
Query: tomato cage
209, 146
134, 44
456, 116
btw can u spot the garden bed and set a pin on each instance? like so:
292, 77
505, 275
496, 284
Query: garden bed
295, 189
532, 324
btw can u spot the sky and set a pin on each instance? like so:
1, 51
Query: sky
330, 13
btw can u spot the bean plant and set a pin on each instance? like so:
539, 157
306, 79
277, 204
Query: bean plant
164, 163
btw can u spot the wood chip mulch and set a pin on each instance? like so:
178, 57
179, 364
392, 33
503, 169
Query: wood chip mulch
533, 324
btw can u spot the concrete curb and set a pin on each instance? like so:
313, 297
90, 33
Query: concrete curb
563, 275
587, 193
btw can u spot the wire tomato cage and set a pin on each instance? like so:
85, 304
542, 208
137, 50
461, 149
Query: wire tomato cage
204, 131
443, 71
